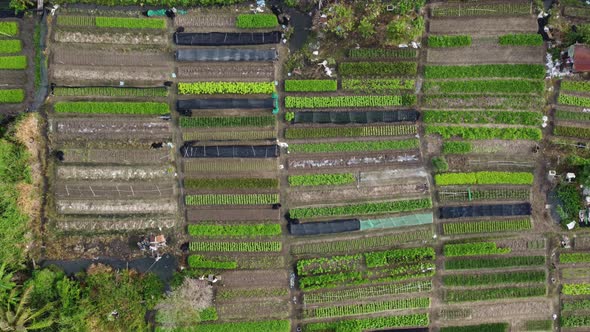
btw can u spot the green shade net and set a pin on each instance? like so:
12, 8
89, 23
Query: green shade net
409, 220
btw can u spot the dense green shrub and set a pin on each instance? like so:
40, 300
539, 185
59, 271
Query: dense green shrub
521, 39
13, 62
256, 21
12, 96
483, 178
213, 88
484, 86
575, 320
231, 183
90, 107
10, 46
378, 68
310, 85
475, 71
8, 29
455, 147
354, 146
449, 41
130, 23
361, 209
274, 246
473, 249
472, 133
571, 200
439, 164
321, 179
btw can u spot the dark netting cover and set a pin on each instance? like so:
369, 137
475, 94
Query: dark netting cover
498, 210
226, 54
223, 103
355, 117
328, 227
230, 151
227, 38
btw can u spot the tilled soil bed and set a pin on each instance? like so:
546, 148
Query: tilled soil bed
109, 128
300, 196
260, 278
486, 55
116, 206
101, 58
248, 71
75, 75
127, 38
485, 25
100, 190
232, 214
114, 225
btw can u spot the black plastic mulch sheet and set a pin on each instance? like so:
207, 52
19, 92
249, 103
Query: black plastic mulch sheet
328, 227
226, 54
355, 117
224, 103
230, 151
499, 210
227, 38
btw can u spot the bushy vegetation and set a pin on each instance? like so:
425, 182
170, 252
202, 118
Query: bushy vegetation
236, 246
572, 100
473, 249
130, 23
484, 178
571, 202
521, 39
256, 21
454, 147
378, 68
440, 164
310, 85
321, 179
475, 71
12, 96
89, 107
449, 41
10, 46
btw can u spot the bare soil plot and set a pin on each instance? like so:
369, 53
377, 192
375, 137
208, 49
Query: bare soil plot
246, 71
67, 56
97, 190
516, 147
116, 206
111, 128
232, 214
267, 308
76, 75
482, 25
393, 158
400, 175
260, 278
113, 173
486, 55
493, 310
301, 196
489, 162
12, 78
115, 225
582, 242
112, 156
108, 37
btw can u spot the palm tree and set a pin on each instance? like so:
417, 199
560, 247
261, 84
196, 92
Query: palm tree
19, 317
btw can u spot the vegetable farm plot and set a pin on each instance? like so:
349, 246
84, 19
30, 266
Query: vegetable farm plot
16, 83
248, 71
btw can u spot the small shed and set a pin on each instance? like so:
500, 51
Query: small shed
580, 55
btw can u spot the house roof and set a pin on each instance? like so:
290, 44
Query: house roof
581, 58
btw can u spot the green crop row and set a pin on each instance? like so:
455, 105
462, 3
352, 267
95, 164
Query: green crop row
232, 135
483, 100
361, 244
574, 116
130, 23
214, 88
258, 326
361, 209
571, 131
349, 101
231, 183
572, 100
12, 96
226, 165
146, 108
13, 62
372, 53
354, 146
486, 226
365, 324
256, 21
236, 246
578, 257
325, 265
200, 262
321, 179
472, 133
10, 46
493, 327
483, 117
254, 230
484, 86
462, 280
492, 263
476, 71
493, 293
576, 289
80, 21
367, 308
224, 121
230, 199
482, 178
233, 293
456, 147
398, 256
575, 321
377, 85
575, 304
8, 29
378, 68
310, 85
358, 293
449, 41
579, 86
111, 92
393, 130
521, 39
468, 194
473, 249
483, 9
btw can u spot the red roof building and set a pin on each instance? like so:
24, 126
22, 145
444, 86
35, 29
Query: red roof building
580, 55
